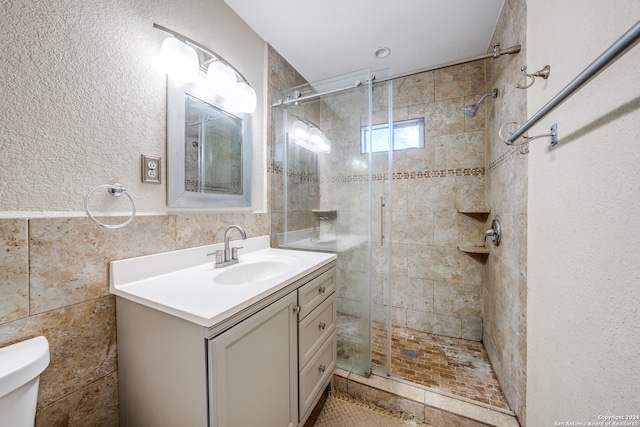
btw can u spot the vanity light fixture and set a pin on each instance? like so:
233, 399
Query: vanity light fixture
179, 60
183, 59
307, 135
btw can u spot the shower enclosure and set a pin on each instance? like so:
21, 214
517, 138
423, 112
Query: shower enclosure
388, 176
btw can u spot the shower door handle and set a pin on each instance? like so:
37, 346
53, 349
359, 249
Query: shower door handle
382, 205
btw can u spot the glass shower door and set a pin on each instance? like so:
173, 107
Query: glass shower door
378, 143
327, 197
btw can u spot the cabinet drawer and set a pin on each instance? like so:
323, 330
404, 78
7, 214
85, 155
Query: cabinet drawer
313, 293
315, 328
317, 374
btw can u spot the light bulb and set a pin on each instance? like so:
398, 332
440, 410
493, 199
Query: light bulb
222, 79
246, 98
179, 60
317, 137
300, 130
325, 147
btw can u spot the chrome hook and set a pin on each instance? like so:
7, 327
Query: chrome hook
544, 73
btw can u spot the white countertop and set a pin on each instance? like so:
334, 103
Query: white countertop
181, 282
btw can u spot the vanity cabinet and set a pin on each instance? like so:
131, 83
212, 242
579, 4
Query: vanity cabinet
252, 369
264, 365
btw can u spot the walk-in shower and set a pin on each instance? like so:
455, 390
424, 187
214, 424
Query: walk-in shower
394, 198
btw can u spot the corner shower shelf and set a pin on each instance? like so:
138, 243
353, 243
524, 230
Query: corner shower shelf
474, 249
473, 210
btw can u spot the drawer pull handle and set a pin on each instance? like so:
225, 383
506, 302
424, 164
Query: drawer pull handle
296, 309
322, 368
321, 289
322, 325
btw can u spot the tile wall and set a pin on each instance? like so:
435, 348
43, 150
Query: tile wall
54, 281
283, 76
505, 276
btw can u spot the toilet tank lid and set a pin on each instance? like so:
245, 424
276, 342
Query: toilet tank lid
22, 362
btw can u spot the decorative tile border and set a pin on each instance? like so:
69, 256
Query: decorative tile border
443, 173
504, 157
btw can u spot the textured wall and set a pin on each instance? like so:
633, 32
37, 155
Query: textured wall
505, 274
80, 99
82, 96
584, 204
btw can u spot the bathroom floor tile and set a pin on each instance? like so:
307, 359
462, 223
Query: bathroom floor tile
450, 365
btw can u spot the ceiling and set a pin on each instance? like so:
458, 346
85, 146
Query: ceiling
328, 38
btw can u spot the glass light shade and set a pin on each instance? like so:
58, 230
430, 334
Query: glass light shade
325, 146
222, 79
179, 60
300, 130
317, 137
246, 98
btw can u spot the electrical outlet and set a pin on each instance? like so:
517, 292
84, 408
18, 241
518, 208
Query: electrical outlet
151, 169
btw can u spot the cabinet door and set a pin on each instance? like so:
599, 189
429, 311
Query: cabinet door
253, 370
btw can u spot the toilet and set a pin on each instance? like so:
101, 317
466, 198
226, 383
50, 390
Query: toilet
20, 367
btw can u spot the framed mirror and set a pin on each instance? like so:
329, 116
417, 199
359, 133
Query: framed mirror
209, 149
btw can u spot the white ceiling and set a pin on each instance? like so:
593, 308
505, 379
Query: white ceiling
327, 38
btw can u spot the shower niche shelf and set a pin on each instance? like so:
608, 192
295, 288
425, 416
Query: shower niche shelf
324, 211
481, 211
473, 210
474, 249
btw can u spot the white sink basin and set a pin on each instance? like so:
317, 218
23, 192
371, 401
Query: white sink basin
252, 271
185, 284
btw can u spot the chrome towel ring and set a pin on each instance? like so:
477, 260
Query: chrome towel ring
115, 190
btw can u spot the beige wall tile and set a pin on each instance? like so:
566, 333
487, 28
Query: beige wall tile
472, 328
460, 80
14, 269
431, 194
504, 309
93, 405
432, 323
442, 117
451, 264
413, 90
82, 345
201, 229
463, 150
69, 257
411, 293
452, 228
413, 228
457, 299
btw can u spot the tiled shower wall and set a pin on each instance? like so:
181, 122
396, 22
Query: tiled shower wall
437, 288
54, 281
505, 278
283, 76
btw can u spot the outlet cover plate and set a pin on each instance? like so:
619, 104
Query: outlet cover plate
151, 169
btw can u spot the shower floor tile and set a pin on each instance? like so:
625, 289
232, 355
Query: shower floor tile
455, 366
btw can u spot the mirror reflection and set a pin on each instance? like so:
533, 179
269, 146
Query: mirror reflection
213, 149
209, 149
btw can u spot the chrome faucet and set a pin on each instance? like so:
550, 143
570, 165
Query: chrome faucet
494, 232
230, 255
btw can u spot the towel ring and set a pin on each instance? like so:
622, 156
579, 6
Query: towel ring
115, 190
